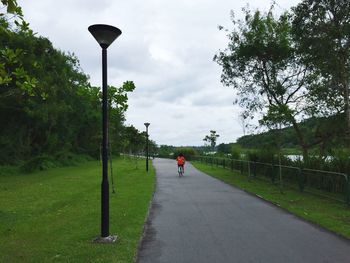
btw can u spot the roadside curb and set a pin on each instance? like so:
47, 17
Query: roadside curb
148, 218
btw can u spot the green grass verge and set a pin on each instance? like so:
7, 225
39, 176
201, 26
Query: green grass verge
329, 214
52, 216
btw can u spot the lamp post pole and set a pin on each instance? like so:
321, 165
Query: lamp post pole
104, 35
147, 124
105, 184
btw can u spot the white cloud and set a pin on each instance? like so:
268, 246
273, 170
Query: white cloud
166, 48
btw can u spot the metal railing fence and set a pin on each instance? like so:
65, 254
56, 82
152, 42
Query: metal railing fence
325, 183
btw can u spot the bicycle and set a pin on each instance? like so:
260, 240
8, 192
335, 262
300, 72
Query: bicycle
180, 170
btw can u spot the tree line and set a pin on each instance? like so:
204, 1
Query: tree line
288, 138
292, 67
48, 108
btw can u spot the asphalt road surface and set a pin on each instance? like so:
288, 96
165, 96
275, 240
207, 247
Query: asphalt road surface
197, 218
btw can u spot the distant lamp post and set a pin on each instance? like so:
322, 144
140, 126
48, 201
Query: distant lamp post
147, 151
104, 35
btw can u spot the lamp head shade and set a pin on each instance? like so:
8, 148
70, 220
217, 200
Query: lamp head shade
104, 34
147, 124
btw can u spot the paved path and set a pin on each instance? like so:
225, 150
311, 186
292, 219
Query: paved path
197, 218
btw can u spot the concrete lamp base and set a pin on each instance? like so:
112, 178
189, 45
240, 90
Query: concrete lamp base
105, 240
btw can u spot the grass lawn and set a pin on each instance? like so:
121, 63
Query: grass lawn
327, 213
52, 216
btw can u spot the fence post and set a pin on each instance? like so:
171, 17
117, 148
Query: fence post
249, 169
241, 164
254, 169
300, 180
231, 164
273, 173
223, 163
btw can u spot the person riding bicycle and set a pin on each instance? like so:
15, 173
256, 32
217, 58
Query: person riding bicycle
181, 161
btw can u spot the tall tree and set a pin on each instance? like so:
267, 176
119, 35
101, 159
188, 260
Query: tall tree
211, 138
47, 104
135, 140
260, 62
322, 31
118, 104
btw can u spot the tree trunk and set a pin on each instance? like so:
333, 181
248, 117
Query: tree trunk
301, 139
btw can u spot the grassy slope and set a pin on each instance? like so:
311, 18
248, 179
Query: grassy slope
327, 213
52, 216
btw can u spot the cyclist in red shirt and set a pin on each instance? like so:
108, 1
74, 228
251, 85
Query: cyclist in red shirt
181, 161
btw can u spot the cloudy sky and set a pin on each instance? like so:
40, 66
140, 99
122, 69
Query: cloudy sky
166, 48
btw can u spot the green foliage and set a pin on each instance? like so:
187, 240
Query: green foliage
260, 63
236, 152
40, 162
274, 76
267, 155
340, 161
134, 141
165, 151
45, 162
188, 152
321, 30
211, 139
11, 7
224, 148
277, 115
316, 131
118, 97
63, 158
47, 105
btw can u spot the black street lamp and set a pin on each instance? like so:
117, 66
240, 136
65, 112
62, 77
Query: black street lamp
104, 35
147, 124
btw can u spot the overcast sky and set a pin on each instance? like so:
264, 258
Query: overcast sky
166, 48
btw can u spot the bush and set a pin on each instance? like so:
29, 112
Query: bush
44, 162
339, 161
266, 155
252, 156
236, 152
64, 158
188, 152
40, 162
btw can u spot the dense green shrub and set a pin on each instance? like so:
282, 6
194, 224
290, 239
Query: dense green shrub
236, 152
39, 162
47, 104
252, 156
339, 161
267, 155
188, 152
64, 158
44, 161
